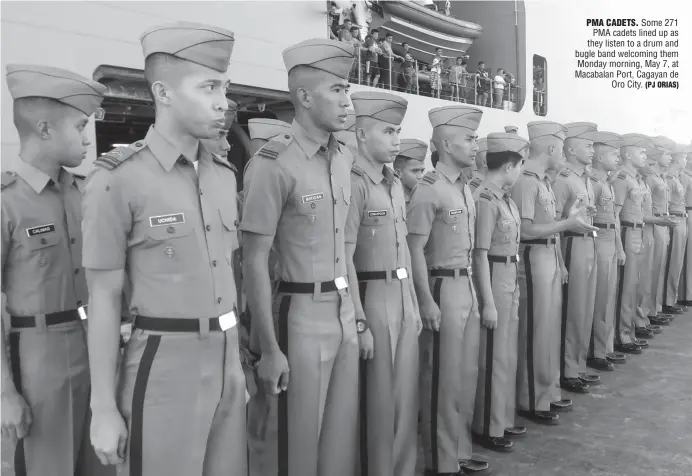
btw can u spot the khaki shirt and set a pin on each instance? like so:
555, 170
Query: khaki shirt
533, 194
660, 194
442, 209
677, 193
376, 219
172, 230
628, 195
572, 183
41, 242
498, 225
603, 198
299, 192
686, 180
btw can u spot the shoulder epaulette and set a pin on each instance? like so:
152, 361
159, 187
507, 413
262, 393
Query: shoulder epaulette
397, 173
114, 158
275, 146
564, 173
475, 182
357, 170
486, 195
341, 142
529, 173
80, 177
622, 175
224, 162
430, 177
8, 178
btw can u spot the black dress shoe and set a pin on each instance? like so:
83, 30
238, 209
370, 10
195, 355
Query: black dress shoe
589, 378
564, 405
643, 332
630, 348
672, 310
494, 443
659, 320
575, 385
642, 343
430, 472
472, 466
670, 317
616, 358
515, 431
600, 364
654, 328
543, 418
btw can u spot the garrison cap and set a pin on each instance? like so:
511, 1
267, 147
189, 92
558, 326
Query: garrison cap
545, 128
635, 140
580, 130
264, 128
29, 80
482, 145
413, 149
230, 113
378, 105
206, 45
511, 129
335, 57
607, 138
664, 143
504, 142
457, 115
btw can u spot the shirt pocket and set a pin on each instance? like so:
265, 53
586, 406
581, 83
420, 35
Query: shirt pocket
230, 233
373, 223
453, 219
170, 248
43, 250
506, 230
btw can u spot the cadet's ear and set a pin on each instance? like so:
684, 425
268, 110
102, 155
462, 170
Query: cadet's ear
161, 93
43, 128
360, 134
303, 97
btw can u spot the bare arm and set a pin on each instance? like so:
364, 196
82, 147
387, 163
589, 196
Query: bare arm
532, 231
353, 281
419, 268
482, 270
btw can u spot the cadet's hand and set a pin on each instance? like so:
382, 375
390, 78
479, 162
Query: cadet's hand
273, 372
489, 317
16, 416
419, 323
578, 208
621, 258
565, 275
430, 314
669, 221
108, 436
578, 224
591, 210
367, 346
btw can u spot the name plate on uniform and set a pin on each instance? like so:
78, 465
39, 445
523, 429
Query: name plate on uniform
401, 273
458, 211
313, 197
377, 213
227, 321
341, 283
40, 230
172, 219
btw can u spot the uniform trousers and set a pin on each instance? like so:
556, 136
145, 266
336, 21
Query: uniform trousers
540, 300
685, 293
628, 274
311, 429
674, 262
448, 374
183, 398
498, 358
389, 382
578, 296
648, 276
603, 332
661, 243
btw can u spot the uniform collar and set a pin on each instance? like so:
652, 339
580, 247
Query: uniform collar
37, 179
451, 174
375, 174
309, 145
166, 153
629, 171
600, 175
497, 191
535, 167
578, 169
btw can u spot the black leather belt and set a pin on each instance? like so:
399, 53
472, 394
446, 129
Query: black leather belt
688, 208
629, 224
309, 288
173, 324
572, 234
25, 322
541, 241
503, 259
605, 226
449, 273
678, 214
378, 275
660, 214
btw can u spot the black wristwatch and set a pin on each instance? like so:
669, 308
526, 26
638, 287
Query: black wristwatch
361, 325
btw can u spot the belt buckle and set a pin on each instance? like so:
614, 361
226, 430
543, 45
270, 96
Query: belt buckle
81, 310
227, 321
517, 256
341, 283
401, 273
469, 270
594, 234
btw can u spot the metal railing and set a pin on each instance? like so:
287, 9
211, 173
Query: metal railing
540, 107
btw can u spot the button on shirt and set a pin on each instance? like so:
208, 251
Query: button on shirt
42, 243
603, 197
154, 216
444, 212
571, 184
376, 219
533, 194
301, 197
498, 224
677, 193
628, 195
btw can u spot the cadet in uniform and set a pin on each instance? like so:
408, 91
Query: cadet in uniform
45, 380
628, 188
496, 255
441, 220
379, 261
410, 163
297, 194
481, 165
571, 185
608, 252
685, 297
540, 275
163, 212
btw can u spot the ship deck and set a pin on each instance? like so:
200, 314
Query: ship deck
637, 422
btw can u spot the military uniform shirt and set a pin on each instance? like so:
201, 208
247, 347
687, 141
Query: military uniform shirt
628, 195
41, 242
686, 180
442, 209
497, 221
301, 196
173, 231
603, 197
659, 191
677, 194
570, 185
376, 218
474, 183
533, 194
647, 198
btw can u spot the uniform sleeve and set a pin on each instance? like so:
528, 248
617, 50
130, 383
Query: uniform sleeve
620, 191
266, 192
525, 194
106, 220
486, 217
6, 236
355, 211
563, 192
421, 211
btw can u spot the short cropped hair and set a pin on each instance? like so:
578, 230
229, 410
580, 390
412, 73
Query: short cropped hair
496, 160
